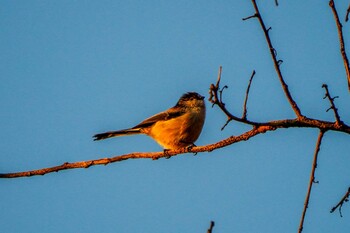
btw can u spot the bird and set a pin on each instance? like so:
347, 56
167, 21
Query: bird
175, 128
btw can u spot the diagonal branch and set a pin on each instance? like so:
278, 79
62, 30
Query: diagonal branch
331, 100
275, 61
312, 180
347, 14
341, 40
246, 96
341, 202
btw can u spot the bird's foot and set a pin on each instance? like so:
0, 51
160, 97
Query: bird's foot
189, 148
166, 154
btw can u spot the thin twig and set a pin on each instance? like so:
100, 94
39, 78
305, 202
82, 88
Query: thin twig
345, 198
249, 17
331, 100
347, 14
216, 99
276, 2
276, 63
312, 180
341, 41
244, 116
210, 229
304, 121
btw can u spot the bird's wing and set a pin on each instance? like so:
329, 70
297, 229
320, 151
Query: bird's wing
162, 116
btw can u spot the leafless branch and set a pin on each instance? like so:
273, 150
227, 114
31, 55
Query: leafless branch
246, 96
259, 128
344, 199
341, 41
210, 229
276, 2
331, 100
311, 181
249, 17
275, 61
347, 14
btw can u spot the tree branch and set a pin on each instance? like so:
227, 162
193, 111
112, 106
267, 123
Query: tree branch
347, 14
275, 61
341, 40
258, 128
244, 116
311, 181
210, 229
341, 202
331, 100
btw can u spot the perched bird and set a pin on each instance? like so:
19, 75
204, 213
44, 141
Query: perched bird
177, 127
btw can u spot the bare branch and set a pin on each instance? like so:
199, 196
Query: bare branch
312, 180
331, 100
259, 128
341, 40
347, 14
341, 202
277, 63
138, 155
249, 17
212, 224
246, 96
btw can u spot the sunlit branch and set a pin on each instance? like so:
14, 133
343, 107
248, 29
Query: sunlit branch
139, 155
341, 41
311, 181
259, 128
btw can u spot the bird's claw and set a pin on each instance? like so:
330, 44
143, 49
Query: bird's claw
166, 154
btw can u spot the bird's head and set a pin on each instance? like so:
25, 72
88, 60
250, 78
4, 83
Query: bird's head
191, 99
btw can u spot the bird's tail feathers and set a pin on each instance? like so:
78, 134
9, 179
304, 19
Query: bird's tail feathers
117, 133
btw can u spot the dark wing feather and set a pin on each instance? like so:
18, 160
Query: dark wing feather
162, 116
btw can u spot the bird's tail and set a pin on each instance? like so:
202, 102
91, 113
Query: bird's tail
111, 134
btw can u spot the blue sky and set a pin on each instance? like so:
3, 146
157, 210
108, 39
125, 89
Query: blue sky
70, 69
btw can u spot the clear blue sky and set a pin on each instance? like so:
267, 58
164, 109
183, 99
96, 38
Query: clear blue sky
70, 69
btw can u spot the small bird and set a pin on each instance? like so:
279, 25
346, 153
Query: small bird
177, 127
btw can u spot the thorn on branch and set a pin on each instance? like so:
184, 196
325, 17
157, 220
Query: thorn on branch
270, 28
221, 90
228, 121
331, 100
274, 51
344, 199
279, 62
249, 17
